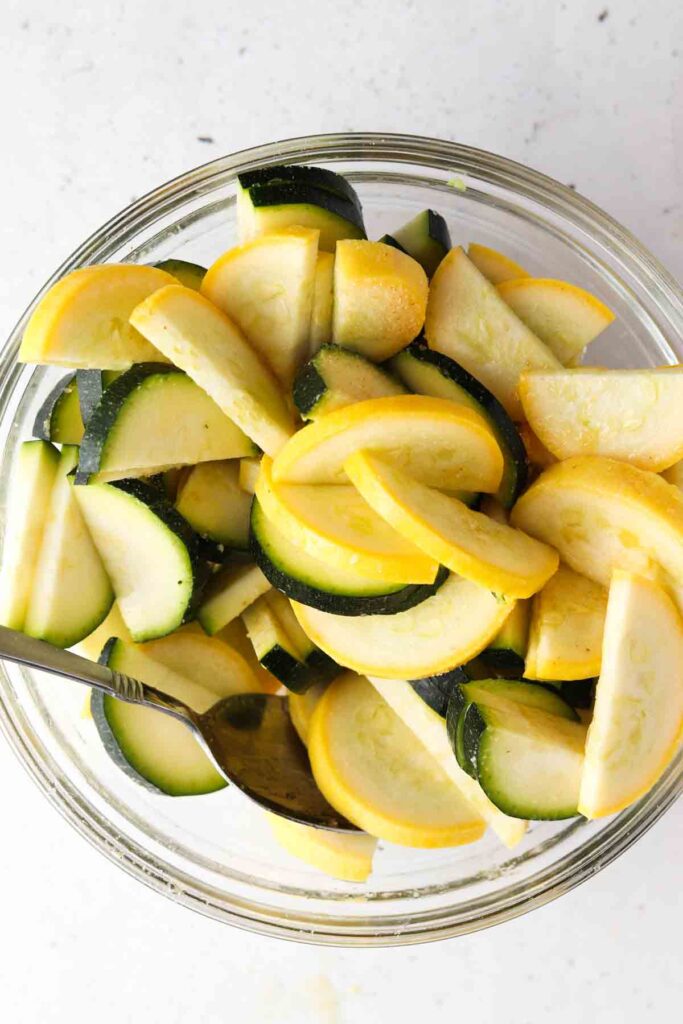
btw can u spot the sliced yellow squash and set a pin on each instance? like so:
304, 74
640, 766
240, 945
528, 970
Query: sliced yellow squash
380, 298
436, 441
603, 515
632, 415
563, 316
447, 630
83, 319
266, 288
323, 301
204, 660
674, 475
338, 854
301, 708
430, 730
475, 546
469, 321
201, 340
638, 716
494, 265
368, 766
333, 523
567, 623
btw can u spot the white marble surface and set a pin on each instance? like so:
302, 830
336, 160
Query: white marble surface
101, 102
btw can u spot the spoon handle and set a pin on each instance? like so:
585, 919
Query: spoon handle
25, 650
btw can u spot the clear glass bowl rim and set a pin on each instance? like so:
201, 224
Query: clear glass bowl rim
620, 833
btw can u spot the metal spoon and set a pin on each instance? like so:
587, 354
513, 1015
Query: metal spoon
249, 736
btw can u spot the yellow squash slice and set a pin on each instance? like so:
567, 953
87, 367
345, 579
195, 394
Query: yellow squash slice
438, 442
491, 554
563, 316
338, 854
603, 515
469, 321
266, 288
674, 475
368, 766
632, 415
333, 523
638, 717
494, 265
447, 630
567, 623
301, 707
380, 298
206, 344
83, 319
323, 302
430, 730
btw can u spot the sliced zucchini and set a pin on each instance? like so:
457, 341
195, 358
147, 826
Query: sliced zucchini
390, 240
378, 777
323, 303
91, 385
236, 637
439, 634
150, 553
493, 691
488, 553
266, 287
528, 762
311, 581
332, 524
269, 206
426, 238
469, 321
494, 265
190, 275
33, 477
436, 691
154, 417
318, 177
432, 373
214, 504
301, 707
441, 444
274, 647
70, 592
229, 592
200, 339
567, 625
204, 660
337, 377
429, 729
153, 749
507, 651
637, 721
83, 320
631, 415
321, 667
59, 417
340, 855
564, 317
380, 298
601, 514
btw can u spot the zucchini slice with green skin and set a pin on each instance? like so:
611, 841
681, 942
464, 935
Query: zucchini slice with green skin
319, 177
154, 750
507, 650
59, 417
310, 581
274, 647
336, 377
321, 666
436, 691
269, 206
151, 553
229, 592
71, 593
214, 504
426, 238
190, 275
427, 372
32, 479
390, 240
528, 762
91, 385
154, 417
530, 695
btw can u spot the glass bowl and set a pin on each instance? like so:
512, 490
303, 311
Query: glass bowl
215, 853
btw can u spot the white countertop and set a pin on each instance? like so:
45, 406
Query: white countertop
101, 102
